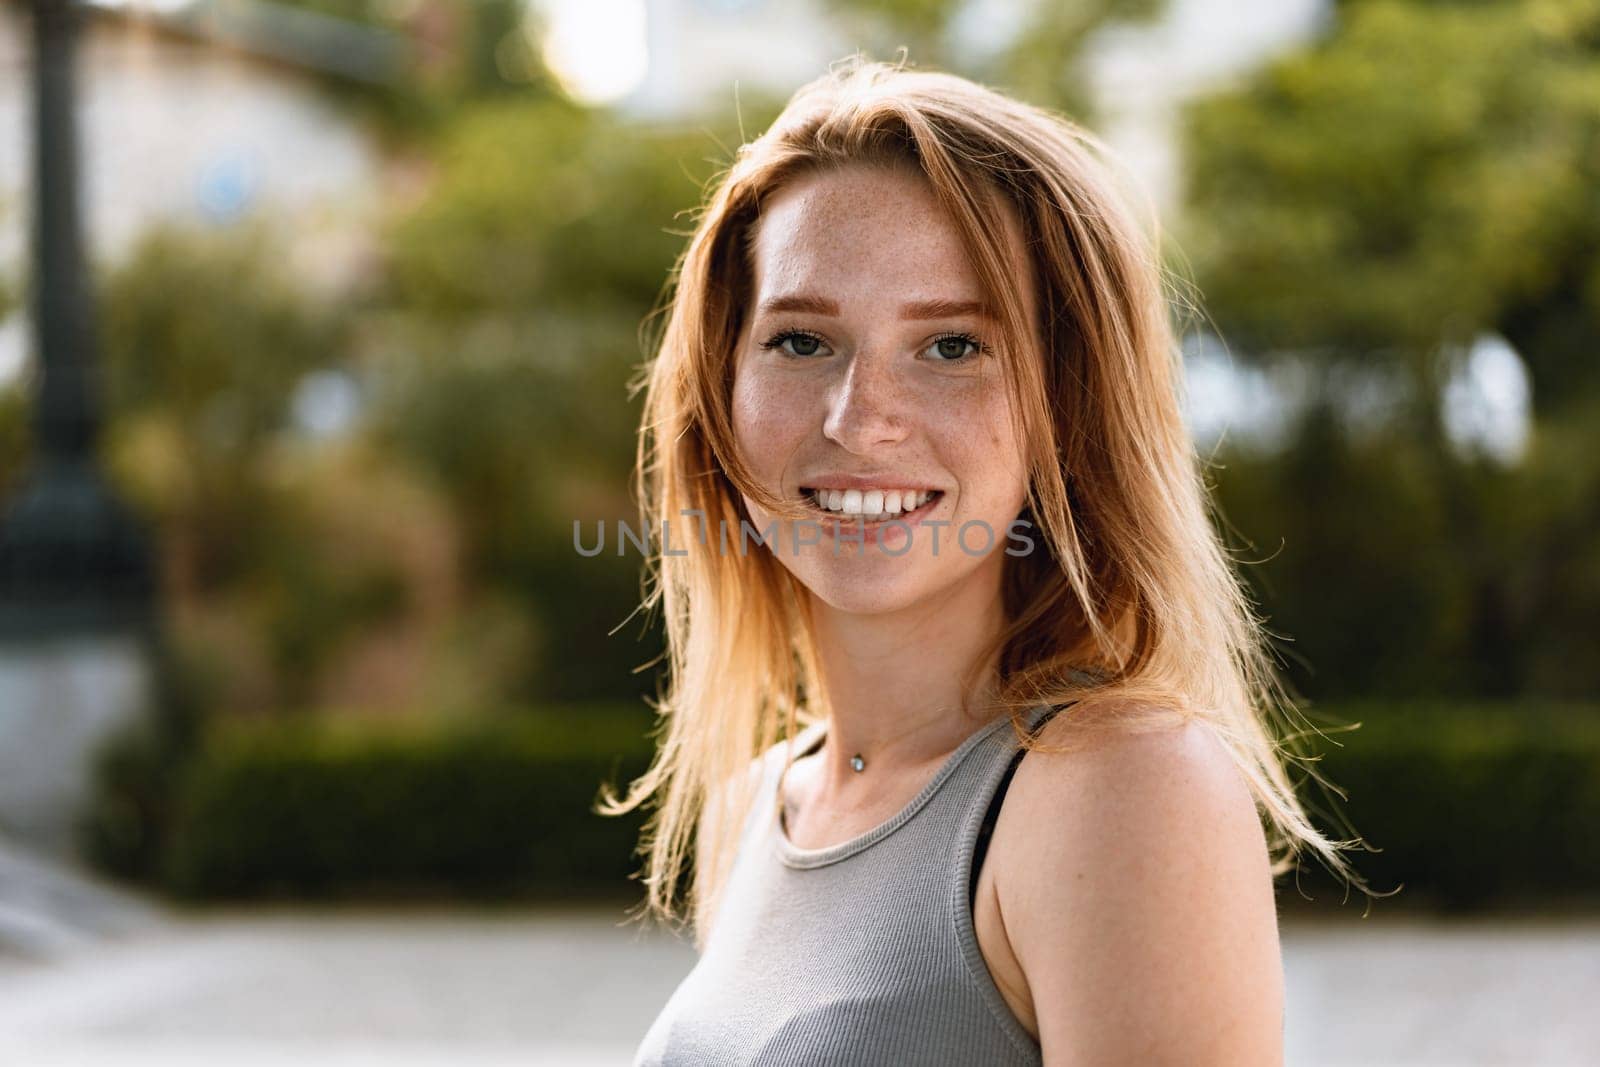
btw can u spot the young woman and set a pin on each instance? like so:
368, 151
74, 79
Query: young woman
925, 504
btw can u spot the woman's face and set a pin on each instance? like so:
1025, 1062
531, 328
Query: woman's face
866, 363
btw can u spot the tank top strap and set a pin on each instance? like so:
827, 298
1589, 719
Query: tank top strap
992, 782
991, 790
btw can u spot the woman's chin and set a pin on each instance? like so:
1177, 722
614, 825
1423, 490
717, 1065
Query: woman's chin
859, 588
852, 602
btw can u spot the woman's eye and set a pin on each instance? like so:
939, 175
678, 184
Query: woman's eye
952, 348
956, 347
795, 343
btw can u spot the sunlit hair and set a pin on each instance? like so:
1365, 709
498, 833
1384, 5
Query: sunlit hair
1128, 581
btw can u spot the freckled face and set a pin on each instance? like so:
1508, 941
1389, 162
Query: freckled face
878, 372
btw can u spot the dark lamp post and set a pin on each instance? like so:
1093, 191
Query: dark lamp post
73, 560
78, 629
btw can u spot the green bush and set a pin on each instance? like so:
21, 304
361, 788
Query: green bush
1469, 806
337, 807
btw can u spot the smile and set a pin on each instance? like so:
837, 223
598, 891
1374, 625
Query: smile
871, 505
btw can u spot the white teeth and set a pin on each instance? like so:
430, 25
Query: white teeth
872, 505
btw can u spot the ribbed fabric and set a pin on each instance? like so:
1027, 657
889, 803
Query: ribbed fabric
860, 953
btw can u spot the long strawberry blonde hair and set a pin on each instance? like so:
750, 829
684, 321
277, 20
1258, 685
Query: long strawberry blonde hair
1132, 610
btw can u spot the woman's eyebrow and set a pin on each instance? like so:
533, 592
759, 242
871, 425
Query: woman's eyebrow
916, 309
945, 309
813, 305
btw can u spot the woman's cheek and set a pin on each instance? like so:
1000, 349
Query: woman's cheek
985, 405
765, 420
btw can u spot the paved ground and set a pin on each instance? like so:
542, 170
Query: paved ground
579, 989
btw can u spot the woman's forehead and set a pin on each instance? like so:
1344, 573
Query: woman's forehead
841, 209
873, 230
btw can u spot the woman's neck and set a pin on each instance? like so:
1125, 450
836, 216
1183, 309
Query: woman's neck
893, 681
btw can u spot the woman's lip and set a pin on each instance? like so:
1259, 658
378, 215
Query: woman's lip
837, 480
870, 531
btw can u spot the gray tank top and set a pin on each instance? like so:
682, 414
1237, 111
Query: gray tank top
860, 953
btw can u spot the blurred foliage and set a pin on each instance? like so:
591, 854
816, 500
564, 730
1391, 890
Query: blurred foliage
1466, 807
212, 332
1041, 61
319, 806
1045, 62
456, 52
920, 25
551, 204
1470, 805
205, 340
515, 297
1421, 177
15, 440
1425, 174
1387, 580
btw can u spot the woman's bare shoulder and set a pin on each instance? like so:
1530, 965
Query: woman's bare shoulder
1155, 772
1115, 756
1134, 880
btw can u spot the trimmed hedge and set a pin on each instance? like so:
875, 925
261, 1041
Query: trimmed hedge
318, 808
1469, 805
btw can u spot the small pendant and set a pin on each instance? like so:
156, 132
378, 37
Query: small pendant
857, 762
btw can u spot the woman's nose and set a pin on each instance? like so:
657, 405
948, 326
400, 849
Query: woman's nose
866, 409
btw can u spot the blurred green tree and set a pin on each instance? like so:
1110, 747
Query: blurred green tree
206, 338
517, 289
1424, 175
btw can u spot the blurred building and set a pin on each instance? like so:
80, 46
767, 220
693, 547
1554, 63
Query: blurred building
178, 128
